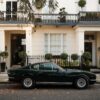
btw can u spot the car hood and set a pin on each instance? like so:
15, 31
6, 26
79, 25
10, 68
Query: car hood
78, 71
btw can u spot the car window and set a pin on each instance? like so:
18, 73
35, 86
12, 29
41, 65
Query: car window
35, 67
45, 66
55, 67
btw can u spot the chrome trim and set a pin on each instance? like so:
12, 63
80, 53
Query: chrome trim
56, 83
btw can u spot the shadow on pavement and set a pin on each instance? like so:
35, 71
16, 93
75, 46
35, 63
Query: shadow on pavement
42, 86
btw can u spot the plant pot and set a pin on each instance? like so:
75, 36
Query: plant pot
3, 66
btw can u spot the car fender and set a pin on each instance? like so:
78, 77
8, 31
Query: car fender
82, 75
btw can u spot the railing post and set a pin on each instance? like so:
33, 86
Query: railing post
26, 60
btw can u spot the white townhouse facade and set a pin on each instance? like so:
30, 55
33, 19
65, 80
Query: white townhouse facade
79, 33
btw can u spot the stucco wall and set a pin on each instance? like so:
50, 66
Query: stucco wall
92, 5
39, 39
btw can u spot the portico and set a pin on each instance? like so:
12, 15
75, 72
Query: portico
12, 37
90, 42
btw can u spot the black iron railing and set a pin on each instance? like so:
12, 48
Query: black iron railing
89, 16
56, 59
40, 19
48, 19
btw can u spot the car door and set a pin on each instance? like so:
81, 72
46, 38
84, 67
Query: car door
59, 74
49, 72
44, 73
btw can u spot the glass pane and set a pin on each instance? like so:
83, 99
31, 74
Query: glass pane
46, 66
8, 7
14, 7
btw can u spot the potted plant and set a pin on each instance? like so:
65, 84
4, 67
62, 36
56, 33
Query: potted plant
64, 57
86, 59
22, 55
82, 3
62, 15
75, 57
48, 56
3, 55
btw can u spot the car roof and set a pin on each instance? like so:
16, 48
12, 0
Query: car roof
41, 62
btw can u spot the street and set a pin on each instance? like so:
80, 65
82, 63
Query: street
46, 92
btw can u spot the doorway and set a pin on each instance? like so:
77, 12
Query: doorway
17, 45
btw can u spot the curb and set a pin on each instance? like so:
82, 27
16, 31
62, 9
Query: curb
7, 83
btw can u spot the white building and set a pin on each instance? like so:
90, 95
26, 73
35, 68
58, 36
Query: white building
79, 33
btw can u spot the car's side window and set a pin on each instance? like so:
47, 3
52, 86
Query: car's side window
45, 66
54, 67
35, 67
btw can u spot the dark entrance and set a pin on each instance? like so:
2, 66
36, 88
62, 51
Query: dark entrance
88, 48
17, 45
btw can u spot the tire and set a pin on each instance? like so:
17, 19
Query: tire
81, 83
28, 83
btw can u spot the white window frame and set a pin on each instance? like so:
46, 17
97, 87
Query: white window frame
49, 42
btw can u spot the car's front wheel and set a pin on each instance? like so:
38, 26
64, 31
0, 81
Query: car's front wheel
81, 82
28, 82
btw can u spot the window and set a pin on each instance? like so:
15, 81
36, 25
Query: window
45, 66
11, 9
55, 43
35, 67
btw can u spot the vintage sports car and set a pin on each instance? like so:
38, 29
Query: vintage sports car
49, 72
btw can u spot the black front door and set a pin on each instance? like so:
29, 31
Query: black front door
88, 48
17, 46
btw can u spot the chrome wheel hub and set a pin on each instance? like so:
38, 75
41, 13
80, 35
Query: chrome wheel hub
81, 82
27, 82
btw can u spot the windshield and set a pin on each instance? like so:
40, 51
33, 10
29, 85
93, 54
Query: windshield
56, 66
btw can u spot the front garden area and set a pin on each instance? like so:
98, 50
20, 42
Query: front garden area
64, 60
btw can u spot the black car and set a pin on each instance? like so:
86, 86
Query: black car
49, 72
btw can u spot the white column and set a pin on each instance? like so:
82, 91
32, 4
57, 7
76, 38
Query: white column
49, 43
29, 42
62, 39
2, 40
80, 42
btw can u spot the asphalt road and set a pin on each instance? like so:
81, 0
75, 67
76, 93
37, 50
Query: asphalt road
47, 92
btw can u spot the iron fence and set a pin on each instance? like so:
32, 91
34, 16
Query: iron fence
56, 59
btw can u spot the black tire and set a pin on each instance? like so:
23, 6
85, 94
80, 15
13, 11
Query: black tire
81, 82
28, 83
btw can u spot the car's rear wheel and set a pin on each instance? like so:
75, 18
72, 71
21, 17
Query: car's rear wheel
28, 83
81, 83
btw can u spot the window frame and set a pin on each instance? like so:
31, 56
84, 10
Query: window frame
47, 40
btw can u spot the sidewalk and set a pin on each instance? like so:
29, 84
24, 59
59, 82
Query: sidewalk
4, 78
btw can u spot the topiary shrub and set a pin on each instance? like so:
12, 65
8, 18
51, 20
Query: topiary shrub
82, 3
86, 58
22, 55
48, 56
64, 56
4, 54
74, 57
